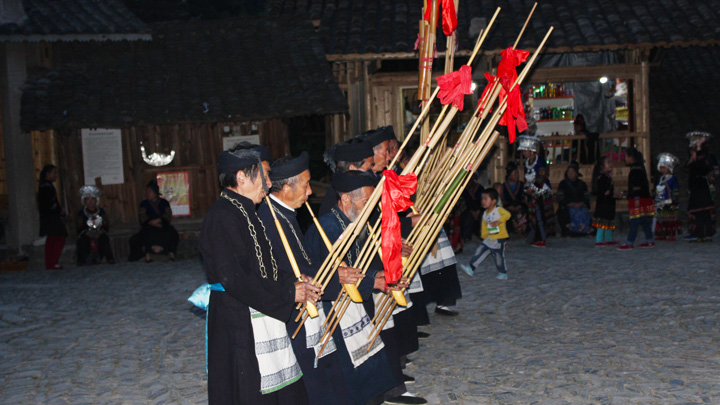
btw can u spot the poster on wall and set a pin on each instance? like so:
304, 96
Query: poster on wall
175, 187
102, 155
230, 141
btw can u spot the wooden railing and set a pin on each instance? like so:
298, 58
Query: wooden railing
562, 149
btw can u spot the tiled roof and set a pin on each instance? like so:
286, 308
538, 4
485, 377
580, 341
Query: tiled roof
391, 26
218, 71
49, 20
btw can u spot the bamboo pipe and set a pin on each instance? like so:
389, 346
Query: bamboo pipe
504, 103
409, 270
438, 223
527, 20
342, 248
450, 46
351, 290
311, 308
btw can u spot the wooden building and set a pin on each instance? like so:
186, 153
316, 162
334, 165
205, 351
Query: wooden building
28, 31
195, 87
371, 46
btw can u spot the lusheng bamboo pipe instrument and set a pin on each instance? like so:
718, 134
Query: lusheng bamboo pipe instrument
501, 109
350, 289
343, 246
311, 308
351, 232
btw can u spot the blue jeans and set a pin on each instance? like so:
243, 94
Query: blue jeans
483, 251
646, 223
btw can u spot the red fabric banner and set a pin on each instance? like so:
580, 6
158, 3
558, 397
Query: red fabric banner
449, 18
514, 116
395, 197
454, 86
482, 102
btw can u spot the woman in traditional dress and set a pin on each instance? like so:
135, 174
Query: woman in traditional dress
640, 202
574, 203
92, 225
604, 217
667, 199
156, 235
541, 209
513, 200
51, 213
702, 169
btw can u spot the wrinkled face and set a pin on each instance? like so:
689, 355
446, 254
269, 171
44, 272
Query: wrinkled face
258, 190
251, 188
393, 148
358, 202
296, 196
380, 156
368, 164
91, 203
266, 170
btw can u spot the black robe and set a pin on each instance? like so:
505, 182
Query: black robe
229, 258
324, 384
375, 376
51, 222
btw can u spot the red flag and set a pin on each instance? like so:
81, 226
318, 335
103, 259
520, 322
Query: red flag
395, 197
507, 74
449, 18
454, 86
482, 102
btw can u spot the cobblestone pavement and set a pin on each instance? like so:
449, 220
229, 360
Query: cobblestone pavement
572, 325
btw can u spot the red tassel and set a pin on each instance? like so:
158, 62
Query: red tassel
395, 197
449, 18
514, 116
454, 86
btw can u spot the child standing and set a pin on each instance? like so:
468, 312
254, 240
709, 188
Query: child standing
494, 234
604, 216
640, 202
667, 196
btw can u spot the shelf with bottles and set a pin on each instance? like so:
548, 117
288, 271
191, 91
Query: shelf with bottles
549, 91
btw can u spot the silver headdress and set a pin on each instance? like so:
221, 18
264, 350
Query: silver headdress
667, 160
526, 142
697, 136
89, 191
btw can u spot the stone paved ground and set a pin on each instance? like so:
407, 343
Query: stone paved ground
573, 324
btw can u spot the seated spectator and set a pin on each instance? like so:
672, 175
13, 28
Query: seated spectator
512, 200
574, 203
93, 243
156, 235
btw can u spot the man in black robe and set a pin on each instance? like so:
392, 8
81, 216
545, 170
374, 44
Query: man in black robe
257, 298
290, 177
378, 378
354, 154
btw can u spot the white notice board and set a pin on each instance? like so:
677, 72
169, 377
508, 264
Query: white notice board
102, 155
229, 142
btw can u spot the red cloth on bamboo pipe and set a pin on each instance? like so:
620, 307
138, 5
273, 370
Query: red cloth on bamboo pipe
454, 86
514, 115
449, 18
395, 198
